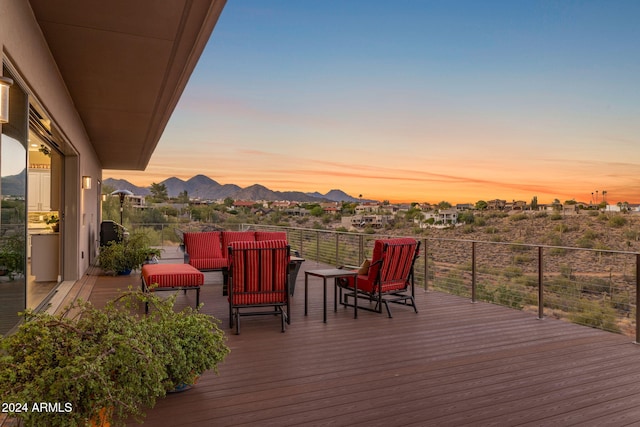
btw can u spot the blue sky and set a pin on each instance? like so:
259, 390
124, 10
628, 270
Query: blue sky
414, 100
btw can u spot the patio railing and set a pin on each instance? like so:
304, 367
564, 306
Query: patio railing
593, 287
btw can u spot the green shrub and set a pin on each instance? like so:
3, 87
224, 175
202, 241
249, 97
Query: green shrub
617, 221
596, 314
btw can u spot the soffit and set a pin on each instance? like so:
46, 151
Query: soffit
125, 64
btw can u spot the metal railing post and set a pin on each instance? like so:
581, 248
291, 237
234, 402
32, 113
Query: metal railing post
425, 249
473, 271
301, 241
337, 249
637, 341
540, 284
317, 246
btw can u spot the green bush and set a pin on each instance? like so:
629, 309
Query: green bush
617, 221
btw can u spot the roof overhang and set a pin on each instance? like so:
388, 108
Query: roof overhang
126, 64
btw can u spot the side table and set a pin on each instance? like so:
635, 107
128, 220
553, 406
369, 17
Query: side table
329, 273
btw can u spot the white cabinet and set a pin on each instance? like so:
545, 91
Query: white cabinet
39, 190
45, 257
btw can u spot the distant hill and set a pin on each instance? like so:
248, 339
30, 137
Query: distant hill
14, 185
205, 188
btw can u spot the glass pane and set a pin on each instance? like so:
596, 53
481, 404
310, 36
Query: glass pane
13, 170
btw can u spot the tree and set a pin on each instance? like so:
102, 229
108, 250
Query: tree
228, 202
534, 203
159, 192
444, 205
481, 205
316, 211
183, 197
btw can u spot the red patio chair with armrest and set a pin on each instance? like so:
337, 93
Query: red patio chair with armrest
389, 279
258, 280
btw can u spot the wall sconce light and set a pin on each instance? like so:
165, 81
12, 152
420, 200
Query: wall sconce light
5, 83
86, 182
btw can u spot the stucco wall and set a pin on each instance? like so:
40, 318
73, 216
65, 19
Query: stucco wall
26, 52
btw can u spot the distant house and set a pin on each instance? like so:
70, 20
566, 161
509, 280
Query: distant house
465, 206
243, 204
367, 208
496, 204
361, 221
282, 205
444, 216
297, 211
261, 211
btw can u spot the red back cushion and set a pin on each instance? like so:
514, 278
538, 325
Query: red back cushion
229, 237
258, 271
271, 235
203, 245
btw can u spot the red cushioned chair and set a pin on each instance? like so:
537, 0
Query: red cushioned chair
203, 251
258, 280
389, 279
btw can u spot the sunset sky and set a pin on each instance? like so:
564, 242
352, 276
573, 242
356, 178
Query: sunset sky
414, 100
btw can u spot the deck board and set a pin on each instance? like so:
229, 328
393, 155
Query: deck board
453, 363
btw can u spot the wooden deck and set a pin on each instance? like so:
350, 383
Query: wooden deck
454, 363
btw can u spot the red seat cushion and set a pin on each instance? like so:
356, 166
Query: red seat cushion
258, 273
172, 275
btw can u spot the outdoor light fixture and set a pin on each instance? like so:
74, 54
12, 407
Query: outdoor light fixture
86, 182
5, 82
122, 194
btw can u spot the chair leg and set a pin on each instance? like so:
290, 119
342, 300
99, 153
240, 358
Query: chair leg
282, 318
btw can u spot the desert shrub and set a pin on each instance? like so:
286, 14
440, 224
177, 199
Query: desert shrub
466, 217
597, 314
585, 242
491, 230
518, 217
468, 229
632, 234
555, 216
480, 221
540, 215
561, 228
527, 280
512, 271
617, 221
522, 259
505, 295
590, 234
519, 246
596, 285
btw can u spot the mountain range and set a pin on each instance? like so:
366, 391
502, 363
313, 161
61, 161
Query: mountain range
205, 188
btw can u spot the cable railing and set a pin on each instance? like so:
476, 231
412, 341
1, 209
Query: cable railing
592, 287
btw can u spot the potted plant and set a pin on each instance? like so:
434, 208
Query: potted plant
112, 362
187, 342
127, 255
54, 222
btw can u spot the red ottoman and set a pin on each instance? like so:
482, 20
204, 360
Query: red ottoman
171, 277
